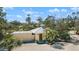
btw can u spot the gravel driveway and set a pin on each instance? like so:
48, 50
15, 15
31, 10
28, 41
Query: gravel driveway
45, 47
34, 47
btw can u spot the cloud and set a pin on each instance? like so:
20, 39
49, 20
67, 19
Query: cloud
75, 9
11, 8
57, 10
59, 13
27, 12
18, 16
54, 10
63, 10
31, 12
7, 8
10, 15
36, 15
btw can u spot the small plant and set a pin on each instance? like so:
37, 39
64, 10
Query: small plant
1, 36
51, 35
9, 42
64, 36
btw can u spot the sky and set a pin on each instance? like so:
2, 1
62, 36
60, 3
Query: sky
20, 13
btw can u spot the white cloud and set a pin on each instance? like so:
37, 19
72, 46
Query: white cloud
75, 9
54, 10
9, 15
63, 10
29, 12
10, 8
19, 16
57, 10
6, 8
23, 21
36, 15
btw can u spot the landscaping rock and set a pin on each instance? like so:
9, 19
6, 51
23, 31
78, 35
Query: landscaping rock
58, 45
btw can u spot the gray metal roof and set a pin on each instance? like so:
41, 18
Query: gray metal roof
36, 31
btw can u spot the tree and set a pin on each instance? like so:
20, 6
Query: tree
28, 19
61, 25
40, 21
51, 35
2, 23
50, 22
14, 25
70, 22
2, 18
9, 42
76, 20
15, 22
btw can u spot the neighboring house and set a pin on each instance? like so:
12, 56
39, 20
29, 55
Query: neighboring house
34, 34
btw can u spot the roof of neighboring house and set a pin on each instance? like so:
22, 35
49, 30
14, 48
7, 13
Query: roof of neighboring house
36, 31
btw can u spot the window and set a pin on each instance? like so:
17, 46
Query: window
33, 33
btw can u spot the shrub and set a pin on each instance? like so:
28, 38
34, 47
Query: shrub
51, 35
64, 36
9, 42
1, 36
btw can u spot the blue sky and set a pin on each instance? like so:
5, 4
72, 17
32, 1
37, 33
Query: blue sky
20, 13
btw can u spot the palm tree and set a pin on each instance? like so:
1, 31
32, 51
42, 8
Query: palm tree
28, 19
75, 18
40, 21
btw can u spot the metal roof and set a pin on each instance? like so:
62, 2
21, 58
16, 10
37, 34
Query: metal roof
36, 31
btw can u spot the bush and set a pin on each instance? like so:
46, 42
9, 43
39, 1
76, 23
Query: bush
64, 36
51, 35
1, 36
9, 42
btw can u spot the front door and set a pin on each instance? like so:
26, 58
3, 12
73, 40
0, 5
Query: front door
40, 36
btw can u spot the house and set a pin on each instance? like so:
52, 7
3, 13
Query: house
34, 34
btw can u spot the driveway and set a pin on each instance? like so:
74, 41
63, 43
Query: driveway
34, 47
45, 47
